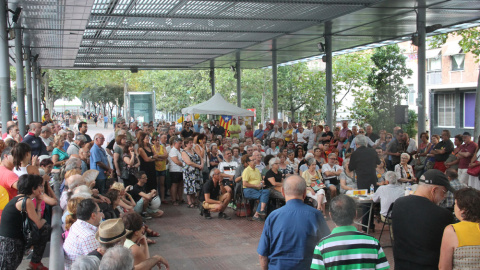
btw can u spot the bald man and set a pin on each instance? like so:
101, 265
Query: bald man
280, 247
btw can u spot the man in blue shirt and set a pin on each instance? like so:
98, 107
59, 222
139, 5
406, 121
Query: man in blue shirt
99, 162
259, 132
291, 232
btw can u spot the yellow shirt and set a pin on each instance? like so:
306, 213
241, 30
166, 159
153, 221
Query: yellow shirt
468, 233
311, 178
234, 128
252, 176
160, 165
289, 132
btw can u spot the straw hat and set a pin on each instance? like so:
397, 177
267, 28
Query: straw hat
111, 231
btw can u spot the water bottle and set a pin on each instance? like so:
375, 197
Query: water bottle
408, 191
372, 189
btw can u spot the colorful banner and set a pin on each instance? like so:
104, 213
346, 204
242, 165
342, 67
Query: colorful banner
225, 121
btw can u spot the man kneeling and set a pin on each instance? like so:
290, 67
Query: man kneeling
143, 199
215, 197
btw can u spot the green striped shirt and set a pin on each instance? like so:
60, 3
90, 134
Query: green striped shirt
346, 248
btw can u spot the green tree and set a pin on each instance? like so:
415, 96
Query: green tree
386, 78
350, 76
411, 127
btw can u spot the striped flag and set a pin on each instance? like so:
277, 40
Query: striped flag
225, 121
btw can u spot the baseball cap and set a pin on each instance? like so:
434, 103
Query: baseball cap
436, 177
467, 134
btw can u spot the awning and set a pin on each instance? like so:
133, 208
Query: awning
434, 53
453, 48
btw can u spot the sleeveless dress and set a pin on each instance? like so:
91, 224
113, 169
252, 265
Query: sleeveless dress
192, 177
149, 168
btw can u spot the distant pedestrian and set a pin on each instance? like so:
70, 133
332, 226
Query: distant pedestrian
105, 121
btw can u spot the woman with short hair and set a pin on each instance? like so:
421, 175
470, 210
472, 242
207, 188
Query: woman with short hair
59, 155
314, 181
461, 241
404, 171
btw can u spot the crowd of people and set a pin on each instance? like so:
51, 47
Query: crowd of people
113, 184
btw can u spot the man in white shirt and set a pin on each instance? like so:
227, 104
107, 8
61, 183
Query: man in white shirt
227, 168
243, 128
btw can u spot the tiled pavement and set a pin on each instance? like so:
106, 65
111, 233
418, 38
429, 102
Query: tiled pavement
189, 241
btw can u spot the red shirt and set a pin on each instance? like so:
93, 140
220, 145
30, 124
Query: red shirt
463, 162
7, 179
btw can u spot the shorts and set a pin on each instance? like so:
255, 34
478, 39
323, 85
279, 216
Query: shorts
161, 173
139, 207
227, 182
176, 177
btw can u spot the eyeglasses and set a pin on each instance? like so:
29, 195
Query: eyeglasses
389, 137
361, 132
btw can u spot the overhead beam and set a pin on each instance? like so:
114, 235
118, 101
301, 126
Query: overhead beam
167, 16
182, 30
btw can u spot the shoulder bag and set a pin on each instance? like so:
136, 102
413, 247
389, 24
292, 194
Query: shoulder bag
31, 233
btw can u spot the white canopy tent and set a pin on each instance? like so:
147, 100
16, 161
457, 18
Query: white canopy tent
217, 105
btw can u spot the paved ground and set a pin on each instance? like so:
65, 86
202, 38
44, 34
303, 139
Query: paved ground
189, 241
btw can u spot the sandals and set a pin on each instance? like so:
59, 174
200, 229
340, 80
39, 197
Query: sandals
152, 233
150, 241
191, 205
175, 203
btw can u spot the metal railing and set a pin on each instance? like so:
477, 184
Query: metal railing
57, 259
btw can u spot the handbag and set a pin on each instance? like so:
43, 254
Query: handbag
474, 171
31, 233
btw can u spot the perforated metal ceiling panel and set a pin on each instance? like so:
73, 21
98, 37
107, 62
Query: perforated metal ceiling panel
185, 34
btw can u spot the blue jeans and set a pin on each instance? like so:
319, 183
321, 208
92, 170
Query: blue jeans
257, 194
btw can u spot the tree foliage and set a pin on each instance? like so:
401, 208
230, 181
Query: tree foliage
470, 41
386, 78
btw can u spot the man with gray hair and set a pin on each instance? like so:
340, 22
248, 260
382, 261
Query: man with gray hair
280, 245
387, 194
364, 162
45, 134
419, 223
117, 258
75, 146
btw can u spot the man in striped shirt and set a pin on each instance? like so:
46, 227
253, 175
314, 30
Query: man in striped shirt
345, 247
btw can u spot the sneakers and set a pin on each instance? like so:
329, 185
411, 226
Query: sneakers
37, 266
145, 216
224, 216
262, 213
230, 205
207, 215
259, 218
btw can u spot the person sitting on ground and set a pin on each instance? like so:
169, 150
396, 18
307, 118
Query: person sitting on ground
110, 210
461, 241
137, 243
126, 201
314, 181
81, 238
70, 216
456, 184
142, 198
253, 187
280, 246
347, 247
215, 197
388, 194
11, 228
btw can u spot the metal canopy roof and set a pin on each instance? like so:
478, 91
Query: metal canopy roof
187, 34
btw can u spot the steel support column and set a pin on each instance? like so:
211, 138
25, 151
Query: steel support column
238, 76
28, 79
34, 92
20, 80
328, 72
274, 81
212, 76
39, 96
422, 94
4, 69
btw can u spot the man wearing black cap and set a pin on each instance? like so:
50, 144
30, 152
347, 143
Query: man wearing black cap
464, 156
418, 223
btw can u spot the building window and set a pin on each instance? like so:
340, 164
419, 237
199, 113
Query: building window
434, 64
469, 110
446, 110
411, 95
458, 61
